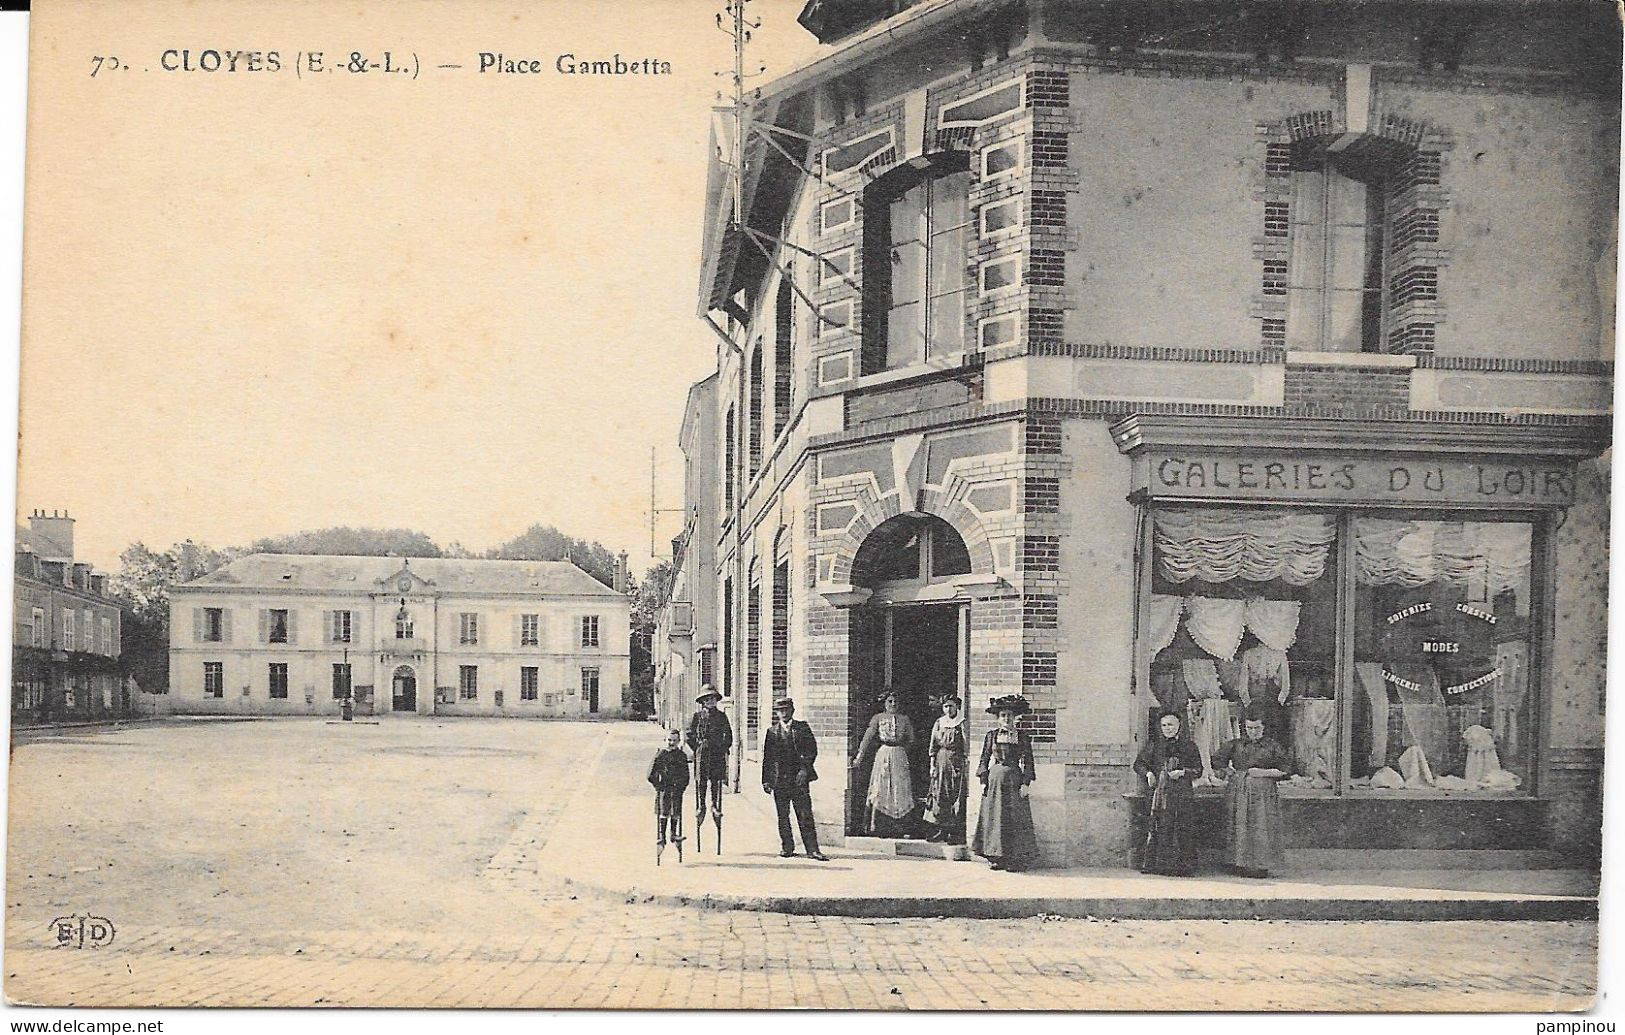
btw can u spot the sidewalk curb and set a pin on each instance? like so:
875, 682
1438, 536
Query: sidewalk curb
1118, 908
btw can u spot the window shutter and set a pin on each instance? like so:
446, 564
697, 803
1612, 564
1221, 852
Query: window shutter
518, 630
197, 625
225, 625
329, 620
265, 625
541, 634
293, 635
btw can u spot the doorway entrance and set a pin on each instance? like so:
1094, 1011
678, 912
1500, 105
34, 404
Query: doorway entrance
918, 651
404, 690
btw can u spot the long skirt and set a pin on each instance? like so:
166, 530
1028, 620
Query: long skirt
891, 792
1254, 805
945, 806
1171, 841
1004, 827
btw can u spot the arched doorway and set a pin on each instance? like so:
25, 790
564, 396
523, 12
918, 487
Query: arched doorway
911, 636
404, 690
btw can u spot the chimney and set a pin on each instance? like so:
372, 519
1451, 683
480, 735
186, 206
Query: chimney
622, 578
56, 527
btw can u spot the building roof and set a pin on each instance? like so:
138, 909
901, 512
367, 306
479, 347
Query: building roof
41, 545
331, 573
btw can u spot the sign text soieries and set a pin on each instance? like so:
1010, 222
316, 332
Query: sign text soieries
1334, 479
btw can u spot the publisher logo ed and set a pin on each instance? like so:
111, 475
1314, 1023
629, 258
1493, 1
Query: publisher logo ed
81, 931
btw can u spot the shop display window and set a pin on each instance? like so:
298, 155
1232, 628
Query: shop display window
1430, 688
1242, 620
1441, 655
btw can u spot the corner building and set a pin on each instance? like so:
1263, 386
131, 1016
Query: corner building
1179, 356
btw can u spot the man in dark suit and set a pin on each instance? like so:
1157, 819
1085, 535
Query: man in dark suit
788, 752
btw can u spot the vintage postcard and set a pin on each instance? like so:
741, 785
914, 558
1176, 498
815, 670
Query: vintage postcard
846, 504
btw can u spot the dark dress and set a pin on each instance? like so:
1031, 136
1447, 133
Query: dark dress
1252, 803
1005, 834
945, 803
1170, 846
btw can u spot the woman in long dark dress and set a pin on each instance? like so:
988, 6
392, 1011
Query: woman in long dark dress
1005, 835
1168, 764
1255, 765
945, 805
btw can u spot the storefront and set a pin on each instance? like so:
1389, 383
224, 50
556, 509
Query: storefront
1381, 595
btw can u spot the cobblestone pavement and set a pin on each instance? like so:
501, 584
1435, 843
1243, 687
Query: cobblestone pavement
293, 863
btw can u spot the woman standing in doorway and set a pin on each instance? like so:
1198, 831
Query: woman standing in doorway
1005, 835
945, 804
889, 805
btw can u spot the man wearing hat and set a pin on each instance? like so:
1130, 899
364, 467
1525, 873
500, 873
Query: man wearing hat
710, 738
788, 752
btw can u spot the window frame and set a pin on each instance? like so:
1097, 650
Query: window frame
1542, 588
983, 291
468, 629
1374, 291
217, 671
591, 634
880, 203
982, 156
1012, 202
468, 683
529, 682
343, 626
37, 631
272, 633
530, 630
276, 671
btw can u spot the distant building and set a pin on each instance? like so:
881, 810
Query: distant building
65, 631
685, 644
281, 634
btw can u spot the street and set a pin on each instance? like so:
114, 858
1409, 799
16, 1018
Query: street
305, 863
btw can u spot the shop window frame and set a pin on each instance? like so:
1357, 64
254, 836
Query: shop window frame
1542, 573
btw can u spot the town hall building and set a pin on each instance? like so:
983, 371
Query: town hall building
286, 634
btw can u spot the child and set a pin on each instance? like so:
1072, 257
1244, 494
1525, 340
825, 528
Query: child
668, 773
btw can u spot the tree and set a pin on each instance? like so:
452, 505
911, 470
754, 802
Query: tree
352, 542
546, 543
648, 599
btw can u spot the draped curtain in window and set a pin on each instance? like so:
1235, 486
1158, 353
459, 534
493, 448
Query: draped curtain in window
1486, 556
1260, 546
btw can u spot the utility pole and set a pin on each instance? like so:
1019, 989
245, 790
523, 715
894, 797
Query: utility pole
655, 510
737, 26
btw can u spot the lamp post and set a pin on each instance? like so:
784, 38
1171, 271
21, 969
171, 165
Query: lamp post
349, 681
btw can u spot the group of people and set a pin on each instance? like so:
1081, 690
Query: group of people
1253, 766
1004, 834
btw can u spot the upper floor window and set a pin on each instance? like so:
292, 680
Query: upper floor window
1339, 222
214, 624
277, 625
468, 628
589, 630
36, 633
341, 624
107, 636
68, 640
916, 227
403, 624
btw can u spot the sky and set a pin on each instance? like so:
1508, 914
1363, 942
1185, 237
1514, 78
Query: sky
257, 302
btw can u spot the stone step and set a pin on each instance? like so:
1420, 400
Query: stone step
1299, 859
911, 848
